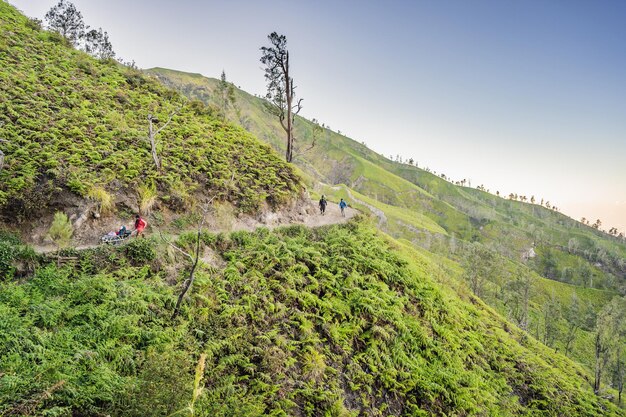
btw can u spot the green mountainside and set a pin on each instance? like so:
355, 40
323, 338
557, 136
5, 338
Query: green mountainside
74, 123
341, 320
573, 264
335, 321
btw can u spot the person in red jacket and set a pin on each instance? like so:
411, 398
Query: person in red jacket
140, 224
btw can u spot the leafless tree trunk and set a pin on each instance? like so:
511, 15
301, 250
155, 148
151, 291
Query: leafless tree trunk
2, 153
290, 93
152, 136
193, 259
572, 328
523, 323
281, 90
620, 374
600, 362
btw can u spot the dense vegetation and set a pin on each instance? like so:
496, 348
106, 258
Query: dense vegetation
452, 222
334, 321
71, 122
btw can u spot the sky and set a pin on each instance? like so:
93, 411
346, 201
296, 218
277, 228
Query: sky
526, 97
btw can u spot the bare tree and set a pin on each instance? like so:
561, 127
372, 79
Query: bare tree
281, 91
193, 258
480, 266
619, 373
152, 120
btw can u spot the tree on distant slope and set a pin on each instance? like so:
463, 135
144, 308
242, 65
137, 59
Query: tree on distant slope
280, 87
479, 265
97, 44
226, 93
65, 19
606, 338
575, 319
518, 296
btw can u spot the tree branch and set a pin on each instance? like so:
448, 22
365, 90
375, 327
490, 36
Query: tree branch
194, 259
307, 149
298, 106
168, 121
172, 245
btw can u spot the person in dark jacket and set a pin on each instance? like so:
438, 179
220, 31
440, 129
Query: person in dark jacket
323, 203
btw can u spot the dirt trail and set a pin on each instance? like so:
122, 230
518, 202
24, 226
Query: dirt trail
307, 214
331, 216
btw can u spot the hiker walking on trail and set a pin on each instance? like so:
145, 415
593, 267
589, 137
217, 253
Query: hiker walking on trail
323, 203
140, 224
342, 206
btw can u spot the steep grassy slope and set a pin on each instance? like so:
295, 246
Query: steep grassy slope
71, 122
336, 321
447, 220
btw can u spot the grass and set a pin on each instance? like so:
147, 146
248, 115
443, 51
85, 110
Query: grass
147, 198
102, 197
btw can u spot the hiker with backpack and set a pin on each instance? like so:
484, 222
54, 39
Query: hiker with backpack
342, 206
323, 203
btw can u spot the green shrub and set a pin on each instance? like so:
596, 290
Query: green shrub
61, 230
7, 256
141, 250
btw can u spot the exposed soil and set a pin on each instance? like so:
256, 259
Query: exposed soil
89, 228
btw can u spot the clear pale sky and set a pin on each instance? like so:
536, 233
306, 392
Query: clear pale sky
526, 97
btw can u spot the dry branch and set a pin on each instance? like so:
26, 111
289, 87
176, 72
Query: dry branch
194, 259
